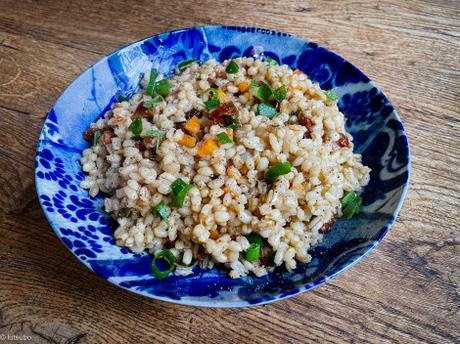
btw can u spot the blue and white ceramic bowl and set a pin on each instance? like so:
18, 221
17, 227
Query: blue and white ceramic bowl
84, 228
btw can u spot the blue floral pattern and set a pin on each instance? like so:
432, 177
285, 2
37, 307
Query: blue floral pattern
50, 168
84, 228
82, 240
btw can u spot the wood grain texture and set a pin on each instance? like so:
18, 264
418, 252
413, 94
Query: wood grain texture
405, 291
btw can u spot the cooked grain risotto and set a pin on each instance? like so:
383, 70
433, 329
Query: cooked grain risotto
243, 163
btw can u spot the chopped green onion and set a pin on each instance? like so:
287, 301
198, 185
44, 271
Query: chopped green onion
264, 92
232, 122
164, 255
179, 189
184, 64
124, 212
253, 252
254, 83
213, 101
358, 206
271, 62
150, 103
158, 134
162, 210
136, 126
351, 204
178, 200
277, 170
350, 210
212, 104
232, 68
122, 99
151, 84
348, 198
96, 136
154, 133
177, 185
223, 138
331, 95
280, 94
157, 99
162, 87
255, 238
214, 93
266, 110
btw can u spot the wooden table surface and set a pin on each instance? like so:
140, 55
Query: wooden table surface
406, 290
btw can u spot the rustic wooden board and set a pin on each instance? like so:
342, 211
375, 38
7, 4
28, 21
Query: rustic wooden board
406, 290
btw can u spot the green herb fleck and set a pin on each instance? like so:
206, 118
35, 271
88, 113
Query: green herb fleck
154, 133
271, 62
96, 136
232, 68
277, 170
223, 138
158, 134
331, 95
162, 210
136, 126
151, 84
280, 94
185, 63
150, 103
162, 87
267, 110
264, 92
254, 83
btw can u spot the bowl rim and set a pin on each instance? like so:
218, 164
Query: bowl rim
196, 302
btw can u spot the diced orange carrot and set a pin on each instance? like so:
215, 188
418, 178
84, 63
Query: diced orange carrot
193, 125
214, 234
229, 132
188, 141
299, 88
207, 147
297, 71
243, 86
226, 189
